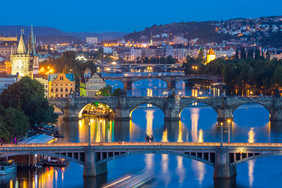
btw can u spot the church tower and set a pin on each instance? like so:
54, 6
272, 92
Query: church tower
21, 60
34, 59
210, 55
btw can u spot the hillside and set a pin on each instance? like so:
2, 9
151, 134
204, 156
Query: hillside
205, 31
263, 30
50, 35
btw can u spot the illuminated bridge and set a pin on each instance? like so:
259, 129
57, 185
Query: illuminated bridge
126, 67
171, 80
172, 106
94, 157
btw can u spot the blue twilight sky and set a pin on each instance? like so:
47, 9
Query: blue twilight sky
128, 15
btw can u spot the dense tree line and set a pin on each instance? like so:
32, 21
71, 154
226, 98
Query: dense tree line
108, 91
67, 63
21, 106
239, 74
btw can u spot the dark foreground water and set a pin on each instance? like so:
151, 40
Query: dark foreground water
198, 124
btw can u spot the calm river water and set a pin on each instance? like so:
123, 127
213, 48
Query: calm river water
198, 124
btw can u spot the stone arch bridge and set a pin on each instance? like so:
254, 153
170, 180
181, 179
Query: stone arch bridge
172, 106
95, 156
171, 80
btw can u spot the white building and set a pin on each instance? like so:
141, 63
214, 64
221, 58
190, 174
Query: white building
180, 53
107, 50
135, 53
6, 80
179, 40
91, 40
93, 85
43, 79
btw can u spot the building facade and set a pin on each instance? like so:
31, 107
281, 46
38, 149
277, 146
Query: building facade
93, 85
61, 85
43, 79
7, 80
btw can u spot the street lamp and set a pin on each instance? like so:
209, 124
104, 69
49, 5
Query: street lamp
89, 144
229, 122
221, 133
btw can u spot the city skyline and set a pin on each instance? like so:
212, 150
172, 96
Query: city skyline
125, 16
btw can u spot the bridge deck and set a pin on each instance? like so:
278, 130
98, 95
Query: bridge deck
136, 144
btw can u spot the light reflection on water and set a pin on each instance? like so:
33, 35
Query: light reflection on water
196, 125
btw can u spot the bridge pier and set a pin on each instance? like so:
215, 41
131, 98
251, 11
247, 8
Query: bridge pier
71, 114
90, 168
171, 111
128, 84
224, 116
222, 167
171, 84
122, 114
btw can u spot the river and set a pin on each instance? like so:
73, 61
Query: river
198, 124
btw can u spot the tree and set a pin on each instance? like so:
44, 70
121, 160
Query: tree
243, 53
237, 54
39, 110
250, 53
4, 133
22, 92
105, 91
277, 77
257, 54
201, 54
117, 92
17, 122
100, 53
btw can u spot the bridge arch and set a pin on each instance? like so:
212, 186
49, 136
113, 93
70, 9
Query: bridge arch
196, 103
145, 103
251, 113
115, 83
251, 103
66, 157
126, 154
58, 109
98, 105
262, 155
162, 81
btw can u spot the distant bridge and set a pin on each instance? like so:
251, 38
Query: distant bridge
94, 157
171, 80
142, 67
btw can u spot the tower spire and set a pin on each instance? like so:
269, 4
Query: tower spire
32, 40
21, 47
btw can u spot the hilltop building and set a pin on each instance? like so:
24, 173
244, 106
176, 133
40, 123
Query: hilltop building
210, 55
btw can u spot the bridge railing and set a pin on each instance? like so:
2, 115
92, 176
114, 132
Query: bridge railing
146, 144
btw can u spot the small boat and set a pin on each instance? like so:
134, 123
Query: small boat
7, 167
51, 161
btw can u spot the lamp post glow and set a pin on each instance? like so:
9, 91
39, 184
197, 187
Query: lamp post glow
221, 134
89, 135
229, 121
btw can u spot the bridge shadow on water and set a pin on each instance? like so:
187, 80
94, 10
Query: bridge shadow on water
225, 183
98, 181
